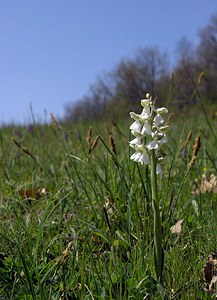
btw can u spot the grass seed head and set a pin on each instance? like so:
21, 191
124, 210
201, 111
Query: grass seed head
112, 144
54, 121
89, 135
196, 148
67, 250
196, 145
94, 144
24, 149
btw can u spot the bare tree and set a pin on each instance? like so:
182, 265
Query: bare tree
207, 57
134, 78
120, 90
152, 66
185, 73
93, 105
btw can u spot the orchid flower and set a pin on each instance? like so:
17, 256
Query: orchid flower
149, 131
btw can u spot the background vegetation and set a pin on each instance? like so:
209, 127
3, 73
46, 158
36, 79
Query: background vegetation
116, 93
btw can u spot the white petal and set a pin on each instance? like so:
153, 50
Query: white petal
136, 141
145, 102
164, 128
141, 148
161, 110
133, 146
144, 159
152, 145
158, 120
136, 126
163, 140
136, 156
146, 129
146, 113
159, 170
136, 133
134, 116
133, 156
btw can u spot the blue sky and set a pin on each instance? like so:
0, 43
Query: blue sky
51, 51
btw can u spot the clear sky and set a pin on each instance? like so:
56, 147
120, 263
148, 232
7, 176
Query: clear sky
51, 51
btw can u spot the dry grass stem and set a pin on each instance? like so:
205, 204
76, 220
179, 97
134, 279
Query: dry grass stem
187, 140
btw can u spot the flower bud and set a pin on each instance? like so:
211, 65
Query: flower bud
161, 110
137, 133
145, 102
164, 128
134, 116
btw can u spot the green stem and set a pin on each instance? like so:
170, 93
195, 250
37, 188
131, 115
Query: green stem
158, 257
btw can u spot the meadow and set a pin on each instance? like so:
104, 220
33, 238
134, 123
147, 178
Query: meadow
76, 216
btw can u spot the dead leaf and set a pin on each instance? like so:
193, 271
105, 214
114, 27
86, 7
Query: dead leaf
204, 185
213, 281
177, 228
35, 193
210, 272
109, 206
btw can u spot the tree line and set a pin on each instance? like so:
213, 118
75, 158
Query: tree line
117, 92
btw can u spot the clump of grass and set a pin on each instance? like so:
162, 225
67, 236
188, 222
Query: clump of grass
90, 235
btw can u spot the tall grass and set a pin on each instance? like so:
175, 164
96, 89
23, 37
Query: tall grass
76, 221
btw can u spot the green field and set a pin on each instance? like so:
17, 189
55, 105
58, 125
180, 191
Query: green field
76, 215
